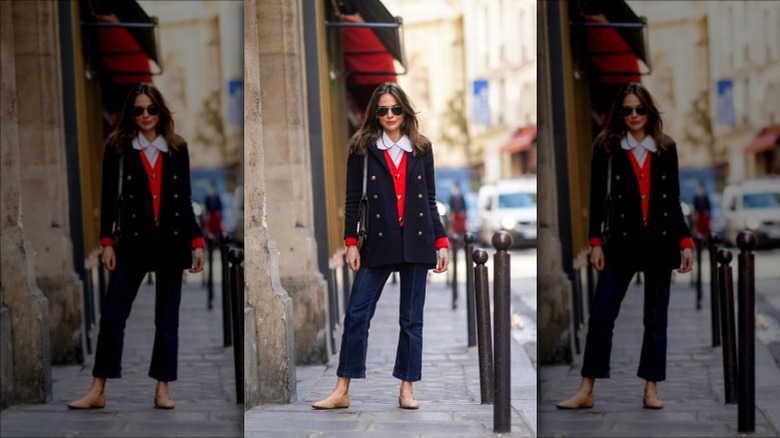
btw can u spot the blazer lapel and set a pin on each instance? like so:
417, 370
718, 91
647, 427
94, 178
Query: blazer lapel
380, 155
411, 162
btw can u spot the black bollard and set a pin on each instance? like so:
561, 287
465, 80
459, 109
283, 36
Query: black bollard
726, 289
482, 295
468, 241
236, 257
227, 337
210, 244
699, 243
714, 290
501, 332
746, 400
454, 265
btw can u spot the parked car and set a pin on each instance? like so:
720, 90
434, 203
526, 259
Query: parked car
509, 205
753, 205
713, 182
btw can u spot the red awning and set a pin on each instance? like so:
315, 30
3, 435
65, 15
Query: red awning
122, 56
611, 55
367, 60
520, 141
765, 140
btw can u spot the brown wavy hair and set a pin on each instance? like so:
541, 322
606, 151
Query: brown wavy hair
616, 129
126, 130
371, 130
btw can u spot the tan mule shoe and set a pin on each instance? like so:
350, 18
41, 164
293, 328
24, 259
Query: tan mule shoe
337, 402
408, 402
164, 403
98, 402
586, 402
652, 402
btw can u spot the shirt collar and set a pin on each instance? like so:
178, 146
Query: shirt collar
140, 143
629, 142
385, 143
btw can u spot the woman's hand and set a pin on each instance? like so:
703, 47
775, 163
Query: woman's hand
687, 261
597, 258
444, 260
108, 258
197, 261
353, 258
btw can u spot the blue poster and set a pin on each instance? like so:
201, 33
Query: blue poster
725, 109
480, 110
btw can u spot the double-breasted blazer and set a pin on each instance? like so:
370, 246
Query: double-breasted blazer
386, 242
631, 244
144, 245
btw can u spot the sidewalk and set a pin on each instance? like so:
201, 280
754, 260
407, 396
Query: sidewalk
693, 393
204, 393
448, 393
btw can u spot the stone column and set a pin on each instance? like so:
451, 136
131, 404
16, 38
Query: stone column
44, 180
269, 367
554, 288
288, 172
24, 338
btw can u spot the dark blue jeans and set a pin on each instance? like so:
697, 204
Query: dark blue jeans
122, 289
366, 290
610, 290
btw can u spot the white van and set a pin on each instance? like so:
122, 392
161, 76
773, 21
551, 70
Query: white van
752, 205
508, 205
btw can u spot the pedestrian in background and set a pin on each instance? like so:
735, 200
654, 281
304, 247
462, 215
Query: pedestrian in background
457, 213
405, 234
702, 212
648, 234
213, 206
160, 235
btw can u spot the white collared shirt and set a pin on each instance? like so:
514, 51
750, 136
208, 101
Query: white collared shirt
396, 150
159, 144
639, 149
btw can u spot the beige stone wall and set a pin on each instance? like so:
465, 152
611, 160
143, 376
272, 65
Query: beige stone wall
44, 178
287, 172
24, 342
269, 373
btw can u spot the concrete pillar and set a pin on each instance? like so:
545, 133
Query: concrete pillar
288, 170
44, 180
553, 286
24, 338
269, 373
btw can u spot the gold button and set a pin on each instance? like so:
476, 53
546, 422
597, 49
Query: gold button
625, 234
152, 176
133, 215
664, 196
419, 177
663, 233
617, 178
376, 197
156, 219
131, 196
643, 197
175, 196
176, 214
154, 197
420, 215
666, 214
129, 177
398, 197
397, 175
135, 234
620, 196
175, 233
377, 216
175, 177
419, 233
641, 176
373, 177
622, 215
419, 196
663, 176
644, 219
380, 234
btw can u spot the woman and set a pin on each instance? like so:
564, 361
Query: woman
405, 234
648, 233
160, 234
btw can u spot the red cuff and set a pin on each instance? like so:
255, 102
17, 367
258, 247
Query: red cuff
350, 241
686, 242
106, 241
595, 241
442, 242
198, 242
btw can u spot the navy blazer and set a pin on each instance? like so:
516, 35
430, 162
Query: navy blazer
387, 243
144, 245
632, 245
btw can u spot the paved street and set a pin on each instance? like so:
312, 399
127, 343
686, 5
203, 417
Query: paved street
693, 393
204, 394
449, 392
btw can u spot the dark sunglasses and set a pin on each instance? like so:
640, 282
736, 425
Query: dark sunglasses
382, 111
151, 110
627, 110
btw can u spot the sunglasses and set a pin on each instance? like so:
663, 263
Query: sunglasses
627, 110
382, 111
151, 110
